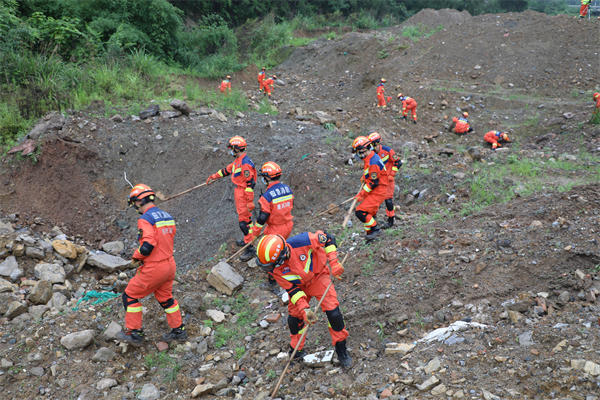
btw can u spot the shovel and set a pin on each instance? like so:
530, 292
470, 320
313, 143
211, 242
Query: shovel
162, 198
333, 208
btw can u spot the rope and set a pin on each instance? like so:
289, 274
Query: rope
101, 296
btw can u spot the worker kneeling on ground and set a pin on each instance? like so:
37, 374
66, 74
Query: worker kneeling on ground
392, 163
496, 138
243, 175
276, 206
461, 124
156, 269
375, 181
268, 85
408, 104
299, 265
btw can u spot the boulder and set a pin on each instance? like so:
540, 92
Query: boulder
5, 300
170, 114
15, 309
113, 248
41, 293
216, 315
54, 121
324, 118
104, 354
106, 383
150, 112
117, 118
78, 340
65, 248
149, 392
428, 384
107, 262
52, 273
192, 302
8, 266
34, 252
38, 311
6, 226
205, 111
6, 286
181, 106
223, 278
58, 300
201, 390
218, 116
474, 153
111, 332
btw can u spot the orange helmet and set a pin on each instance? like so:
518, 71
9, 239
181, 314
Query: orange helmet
237, 143
466, 114
374, 137
228, 77
140, 192
360, 146
504, 137
263, 68
383, 80
596, 95
271, 251
270, 170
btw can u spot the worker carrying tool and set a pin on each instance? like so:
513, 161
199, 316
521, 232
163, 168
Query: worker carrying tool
585, 6
496, 138
276, 206
243, 175
299, 265
461, 124
268, 85
392, 164
155, 269
261, 78
226, 85
380, 94
408, 104
374, 191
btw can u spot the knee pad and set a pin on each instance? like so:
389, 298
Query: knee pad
167, 304
127, 300
295, 324
336, 321
361, 215
389, 204
244, 227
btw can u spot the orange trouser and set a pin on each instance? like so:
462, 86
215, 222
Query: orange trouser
413, 111
584, 10
381, 100
315, 288
267, 89
370, 206
282, 230
390, 196
153, 277
241, 206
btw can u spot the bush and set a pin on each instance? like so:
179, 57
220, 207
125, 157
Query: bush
12, 124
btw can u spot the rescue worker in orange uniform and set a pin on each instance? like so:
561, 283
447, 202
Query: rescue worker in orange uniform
276, 206
374, 191
261, 78
495, 137
299, 265
596, 97
226, 85
408, 104
380, 94
583, 10
268, 85
243, 175
156, 269
392, 164
462, 124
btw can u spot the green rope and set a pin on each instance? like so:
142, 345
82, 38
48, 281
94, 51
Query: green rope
92, 294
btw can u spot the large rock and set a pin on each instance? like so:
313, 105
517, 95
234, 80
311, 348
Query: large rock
51, 122
200, 390
6, 286
433, 365
6, 226
34, 252
324, 118
591, 368
111, 332
223, 278
150, 112
192, 302
58, 300
428, 384
318, 360
113, 248
149, 392
106, 383
41, 293
78, 340
474, 153
104, 354
181, 106
38, 311
402, 348
205, 111
218, 116
8, 266
52, 273
216, 315
107, 262
15, 309
65, 248
5, 300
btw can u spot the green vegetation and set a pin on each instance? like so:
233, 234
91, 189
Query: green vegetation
416, 32
234, 332
164, 362
595, 118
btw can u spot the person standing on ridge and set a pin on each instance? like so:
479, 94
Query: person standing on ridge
381, 94
392, 164
243, 175
156, 269
408, 104
226, 85
261, 78
375, 181
585, 6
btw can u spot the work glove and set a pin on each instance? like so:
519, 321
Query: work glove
212, 178
359, 198
309, 316
135, 263
337, 269
250, 206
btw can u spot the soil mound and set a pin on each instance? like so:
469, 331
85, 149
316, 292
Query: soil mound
433, 18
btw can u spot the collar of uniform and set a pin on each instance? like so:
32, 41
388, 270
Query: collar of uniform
241, 157
272, 184
368, 158
151, 206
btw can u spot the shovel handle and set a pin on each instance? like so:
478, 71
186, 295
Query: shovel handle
333, 208
185, 191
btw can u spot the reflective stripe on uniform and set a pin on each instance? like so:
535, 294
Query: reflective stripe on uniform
172, 309
371, 222
330, 248
220, 173
134, 309
367, 188
249, 190
165, 223
291, 277
284, 198
297, 296
395, 169
308, 265
237, 170
384, 159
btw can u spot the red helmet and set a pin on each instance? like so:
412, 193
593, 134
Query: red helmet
270, 170
263, 68
274, 76
228, 77
139, 193
237, 143
504, 137
383, 80
360, 143
271, 251
374, 137
466, 114
596, 95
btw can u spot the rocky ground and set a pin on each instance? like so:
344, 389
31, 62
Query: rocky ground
485, 288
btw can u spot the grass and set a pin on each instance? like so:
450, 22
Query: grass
164, 362
265, 107
232, 333
416, 32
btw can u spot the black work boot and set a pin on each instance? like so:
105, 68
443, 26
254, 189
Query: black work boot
389, 224
135, 337
249, 254
375, 231
342, 354
415, 121
175, 334
240, 242
299, 354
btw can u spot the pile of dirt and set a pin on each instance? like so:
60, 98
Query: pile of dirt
434, 18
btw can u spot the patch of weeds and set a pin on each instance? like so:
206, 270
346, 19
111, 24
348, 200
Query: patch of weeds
458, 281
402, 47
266, 108
595, 120
271, 374
329, 126
383, 54
419, 320
164, 361
234, 332
380, 332
239, 352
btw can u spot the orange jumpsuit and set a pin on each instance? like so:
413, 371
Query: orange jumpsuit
225, 86
409, 104
462, 124
268, 85
156, 232
493, 137
261, 78
390, 159
243, 175
380, 96
276, 211
374, 191
585, 5
597, 98
305, 275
